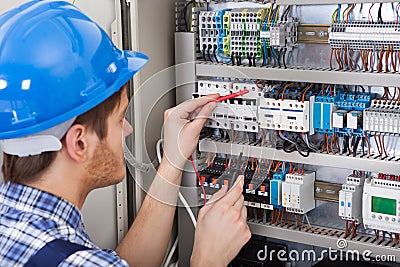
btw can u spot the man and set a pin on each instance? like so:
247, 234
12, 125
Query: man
62, 105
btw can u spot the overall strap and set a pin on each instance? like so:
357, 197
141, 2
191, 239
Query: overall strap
53, 253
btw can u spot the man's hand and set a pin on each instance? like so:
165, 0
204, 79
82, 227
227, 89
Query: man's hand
182, 126
221, 228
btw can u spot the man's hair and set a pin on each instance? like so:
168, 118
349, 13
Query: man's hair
28, 169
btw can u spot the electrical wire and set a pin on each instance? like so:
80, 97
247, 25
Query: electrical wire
183, 14
158, 149
215, 53
380, 20
185, 204
181, 197
276, 59
171, 253
284, 58
188, 209
370, 18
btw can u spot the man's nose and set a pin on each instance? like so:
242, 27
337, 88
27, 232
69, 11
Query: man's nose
127, 129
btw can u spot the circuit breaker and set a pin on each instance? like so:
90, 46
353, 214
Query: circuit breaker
350, 199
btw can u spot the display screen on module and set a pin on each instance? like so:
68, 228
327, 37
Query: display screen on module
384, 205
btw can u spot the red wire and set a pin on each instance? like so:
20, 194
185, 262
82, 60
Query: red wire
199, 178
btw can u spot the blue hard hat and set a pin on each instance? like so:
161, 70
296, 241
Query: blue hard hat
55, 64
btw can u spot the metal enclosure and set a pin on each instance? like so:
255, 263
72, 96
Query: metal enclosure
308, 63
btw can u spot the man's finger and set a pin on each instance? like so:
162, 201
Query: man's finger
198, 122
186, 108
235, 192
194, 114
239, 203
243, 214
217, 196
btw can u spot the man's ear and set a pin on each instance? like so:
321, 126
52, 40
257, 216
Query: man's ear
77, 143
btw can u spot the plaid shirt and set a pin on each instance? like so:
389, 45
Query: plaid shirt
30, 218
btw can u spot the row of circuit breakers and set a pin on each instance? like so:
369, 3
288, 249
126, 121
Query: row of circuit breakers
373, 201
302, 109
308, 109
253, 35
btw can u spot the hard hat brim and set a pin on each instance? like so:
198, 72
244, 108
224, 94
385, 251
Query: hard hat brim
134, 61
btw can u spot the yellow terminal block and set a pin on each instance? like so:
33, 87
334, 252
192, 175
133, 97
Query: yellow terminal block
227, 21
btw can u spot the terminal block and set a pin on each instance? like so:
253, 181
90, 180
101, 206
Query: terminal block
205, 87
382, 117
208, 31
353, 101
281, 35
255, 92
365, 36
298, 192
245, 27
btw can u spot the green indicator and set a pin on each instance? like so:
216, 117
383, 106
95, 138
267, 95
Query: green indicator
384, 205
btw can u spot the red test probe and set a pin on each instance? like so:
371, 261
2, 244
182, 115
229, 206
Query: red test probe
223, 98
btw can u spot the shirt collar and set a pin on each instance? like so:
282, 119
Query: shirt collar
38, 202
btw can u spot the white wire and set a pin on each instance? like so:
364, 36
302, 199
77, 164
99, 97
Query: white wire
171, 253
185, 204
158, 148
188, 209
181, 197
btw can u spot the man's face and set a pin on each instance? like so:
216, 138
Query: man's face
107, 166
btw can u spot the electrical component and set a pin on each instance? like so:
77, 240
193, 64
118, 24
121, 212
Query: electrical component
255, 92
240, 116
350, 199
286, 115
382, 117
245, 26
381, 205
298, 192
276, 188
339, 119
324, 107
365, 36
281, 35
354, 101
206, 87
354, 120
208, 33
